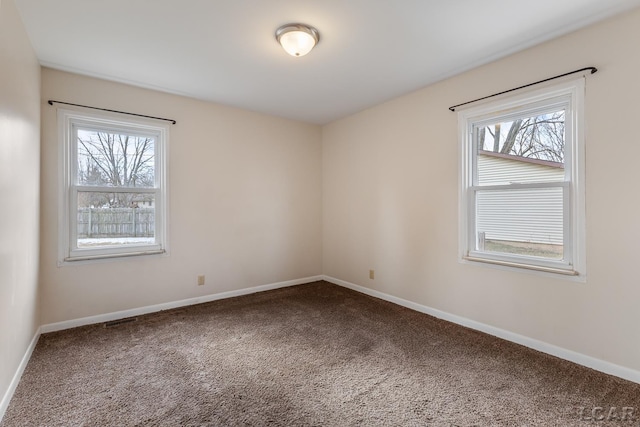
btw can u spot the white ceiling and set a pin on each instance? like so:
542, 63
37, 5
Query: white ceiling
225, 50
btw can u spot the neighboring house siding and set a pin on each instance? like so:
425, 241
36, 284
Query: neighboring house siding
519, 215
499, 170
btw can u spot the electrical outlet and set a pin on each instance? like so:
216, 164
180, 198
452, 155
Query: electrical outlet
372, 274
201, 280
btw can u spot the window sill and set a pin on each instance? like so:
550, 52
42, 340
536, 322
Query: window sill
567, 274
107, 257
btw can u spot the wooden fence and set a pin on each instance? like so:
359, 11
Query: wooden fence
116, 222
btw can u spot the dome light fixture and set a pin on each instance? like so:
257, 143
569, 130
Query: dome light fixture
297, 39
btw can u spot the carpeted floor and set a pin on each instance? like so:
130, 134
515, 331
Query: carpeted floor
309, 355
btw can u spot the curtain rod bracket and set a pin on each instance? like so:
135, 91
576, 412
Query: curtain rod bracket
51, 102
593, 70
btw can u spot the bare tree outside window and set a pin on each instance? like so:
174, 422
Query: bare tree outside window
538, 137
115, 160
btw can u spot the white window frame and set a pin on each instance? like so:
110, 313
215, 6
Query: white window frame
68, 121
570, 95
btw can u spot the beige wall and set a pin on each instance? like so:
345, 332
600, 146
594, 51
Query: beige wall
245, 204
19, 186
390, 195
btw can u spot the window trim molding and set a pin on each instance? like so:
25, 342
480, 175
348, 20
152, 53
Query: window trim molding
67, 118
573, 90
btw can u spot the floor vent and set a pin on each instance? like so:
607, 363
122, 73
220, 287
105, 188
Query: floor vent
120, 322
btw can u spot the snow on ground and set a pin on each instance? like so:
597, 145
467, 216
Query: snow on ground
115, 241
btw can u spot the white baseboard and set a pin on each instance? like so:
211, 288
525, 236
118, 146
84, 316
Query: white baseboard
107, 317
562, 353
4, 403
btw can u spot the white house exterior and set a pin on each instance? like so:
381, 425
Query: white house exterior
531, 215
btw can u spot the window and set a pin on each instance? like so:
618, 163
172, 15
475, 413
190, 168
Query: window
522, 181
113, 186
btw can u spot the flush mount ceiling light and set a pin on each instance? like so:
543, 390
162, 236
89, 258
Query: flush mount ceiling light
297, 39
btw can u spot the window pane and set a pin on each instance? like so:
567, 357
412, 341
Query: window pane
523, 222
530, 149
115, 219
115, 159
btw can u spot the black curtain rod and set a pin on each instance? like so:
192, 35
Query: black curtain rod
592, 69
51, 102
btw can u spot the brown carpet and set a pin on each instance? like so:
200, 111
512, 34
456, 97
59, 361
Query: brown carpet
309, 355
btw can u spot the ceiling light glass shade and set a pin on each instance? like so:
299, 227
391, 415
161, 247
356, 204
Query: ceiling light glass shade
297, 39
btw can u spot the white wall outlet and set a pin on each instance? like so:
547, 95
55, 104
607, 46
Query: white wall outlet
372, 274
201, 280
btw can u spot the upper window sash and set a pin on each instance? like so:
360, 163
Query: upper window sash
151, 137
